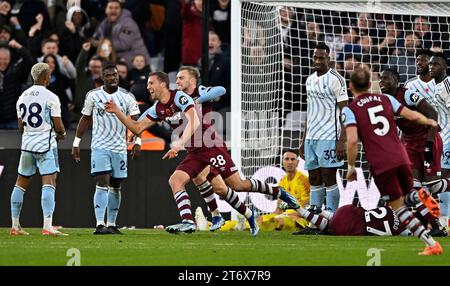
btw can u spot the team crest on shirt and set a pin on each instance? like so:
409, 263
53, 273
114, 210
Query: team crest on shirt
414, 97
183, 100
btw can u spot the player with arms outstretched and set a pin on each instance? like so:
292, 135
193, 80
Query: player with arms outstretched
370, 117
179, 110
39, 116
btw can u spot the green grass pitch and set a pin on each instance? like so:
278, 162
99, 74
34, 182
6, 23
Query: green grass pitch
157, 247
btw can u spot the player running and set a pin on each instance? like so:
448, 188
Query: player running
179, 110
39, 116
370, 117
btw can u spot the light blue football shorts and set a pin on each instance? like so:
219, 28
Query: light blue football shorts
108, 162
321, 154
46, 163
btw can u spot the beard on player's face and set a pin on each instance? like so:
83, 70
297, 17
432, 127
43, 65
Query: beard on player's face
422, 70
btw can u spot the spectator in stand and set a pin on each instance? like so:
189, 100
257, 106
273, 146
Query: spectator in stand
12, 75
308, 42
122, 69
141, 13
60, 85
422, 29
367, 47
291, 60
220, 71
392, 40
138, 74
94, 8
50, 47
191, 11
123, 32
26, 12
221, 19
350, 62
351, 46
89, 76
10, 26
172, 45
77, 29
405, 58
365, 25
105, 51
6, 35
138, 78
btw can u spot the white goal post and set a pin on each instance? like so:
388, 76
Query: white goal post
269, 62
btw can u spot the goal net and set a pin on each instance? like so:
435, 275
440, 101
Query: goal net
272, 48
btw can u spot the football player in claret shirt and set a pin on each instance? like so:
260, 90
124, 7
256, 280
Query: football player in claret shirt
371, 118
179, 110
423, 144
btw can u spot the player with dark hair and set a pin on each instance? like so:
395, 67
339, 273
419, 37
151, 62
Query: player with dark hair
371, 118
323, 142
355, 220
108, 146
438, 71
423, 143
179, 110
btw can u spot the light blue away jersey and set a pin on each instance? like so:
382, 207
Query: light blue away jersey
108, 132
36, 106
323, 94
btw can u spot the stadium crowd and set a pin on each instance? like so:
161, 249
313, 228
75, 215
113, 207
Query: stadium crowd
76, 37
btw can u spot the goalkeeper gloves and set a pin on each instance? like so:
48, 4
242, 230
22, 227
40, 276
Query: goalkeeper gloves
428, 153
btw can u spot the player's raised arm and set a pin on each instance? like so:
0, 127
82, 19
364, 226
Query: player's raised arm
137, 127
210, 93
